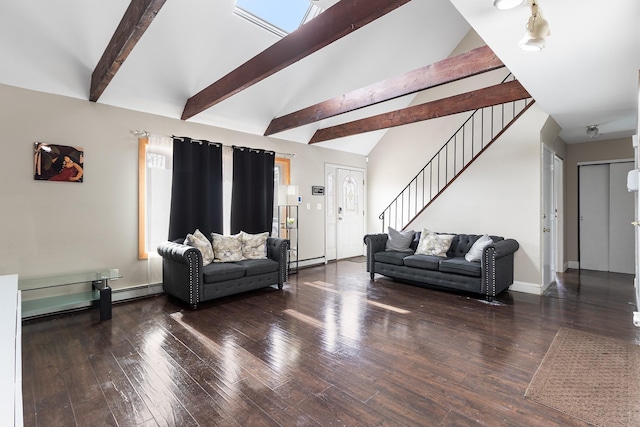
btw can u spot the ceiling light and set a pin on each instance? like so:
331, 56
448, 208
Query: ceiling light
592, 131
506, 4
537, 30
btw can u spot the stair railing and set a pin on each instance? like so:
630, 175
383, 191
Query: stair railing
475, 135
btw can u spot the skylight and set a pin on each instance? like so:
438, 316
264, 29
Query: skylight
277, 16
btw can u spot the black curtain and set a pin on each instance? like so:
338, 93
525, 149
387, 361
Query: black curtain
196, 189
252, 190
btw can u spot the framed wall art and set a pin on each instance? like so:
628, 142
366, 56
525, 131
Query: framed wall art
53, 162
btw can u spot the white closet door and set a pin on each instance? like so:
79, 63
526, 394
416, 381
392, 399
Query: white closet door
594, 217
621, 213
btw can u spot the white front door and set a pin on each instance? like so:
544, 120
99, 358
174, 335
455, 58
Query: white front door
344, 212
350, 213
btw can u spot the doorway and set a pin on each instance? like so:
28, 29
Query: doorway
552, 214
344, 212
606, 210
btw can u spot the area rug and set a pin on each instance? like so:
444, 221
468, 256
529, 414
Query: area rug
590, 377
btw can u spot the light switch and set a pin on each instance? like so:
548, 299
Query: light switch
319, 206
308, 206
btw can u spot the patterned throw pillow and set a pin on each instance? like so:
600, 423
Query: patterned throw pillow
254, 246
200, 242
227, 248
434, 244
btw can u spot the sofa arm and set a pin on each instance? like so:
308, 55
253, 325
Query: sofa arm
375, 243
181, 271
505, 247
497, 267
178, 252
277, 250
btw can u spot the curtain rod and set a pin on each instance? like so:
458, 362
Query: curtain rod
145, 134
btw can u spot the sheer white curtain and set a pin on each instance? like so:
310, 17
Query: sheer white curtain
159, 163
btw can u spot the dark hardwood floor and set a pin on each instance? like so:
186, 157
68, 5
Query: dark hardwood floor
330, 349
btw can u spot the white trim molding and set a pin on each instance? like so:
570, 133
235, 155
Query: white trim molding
526, 287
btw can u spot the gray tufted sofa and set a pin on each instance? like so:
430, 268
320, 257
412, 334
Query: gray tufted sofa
490, 276
184, 277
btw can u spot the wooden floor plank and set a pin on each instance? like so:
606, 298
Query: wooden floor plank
331, 348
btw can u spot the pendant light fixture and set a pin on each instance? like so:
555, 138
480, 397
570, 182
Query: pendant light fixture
534, 39
592, 131
537, 27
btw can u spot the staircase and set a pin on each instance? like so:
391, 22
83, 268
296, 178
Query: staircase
472, 139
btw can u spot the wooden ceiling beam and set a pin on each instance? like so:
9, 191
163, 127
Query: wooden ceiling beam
486, 97
476, 61
336, 22
133, 24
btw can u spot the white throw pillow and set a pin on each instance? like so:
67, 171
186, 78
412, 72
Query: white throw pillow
200, 242
434, 244
227, 248
475, 253
399, 240
254, 246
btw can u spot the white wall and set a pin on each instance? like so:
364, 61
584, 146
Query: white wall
52, 227
499, 194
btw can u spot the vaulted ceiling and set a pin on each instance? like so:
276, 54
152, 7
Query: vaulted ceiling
196, 60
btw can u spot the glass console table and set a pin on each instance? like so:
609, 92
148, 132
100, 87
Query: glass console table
99, 293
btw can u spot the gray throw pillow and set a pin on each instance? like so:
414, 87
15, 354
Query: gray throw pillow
475, 253
399, 240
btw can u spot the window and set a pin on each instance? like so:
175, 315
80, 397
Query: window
350, 195
155, 163
277, 16
154, 192
281, 176
330, 195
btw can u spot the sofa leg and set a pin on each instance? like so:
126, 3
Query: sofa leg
194, 306
372, 276
280, 286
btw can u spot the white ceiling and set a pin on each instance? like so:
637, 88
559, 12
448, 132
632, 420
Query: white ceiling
583, 77
587, 74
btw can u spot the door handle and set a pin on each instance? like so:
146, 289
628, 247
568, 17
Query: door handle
546, 230
636, 223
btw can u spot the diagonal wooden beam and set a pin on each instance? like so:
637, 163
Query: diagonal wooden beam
476, 61
133, 24
334, 23
486, 97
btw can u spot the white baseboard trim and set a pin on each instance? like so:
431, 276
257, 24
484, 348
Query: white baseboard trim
138, 291
526, 287
311, 262
573, 264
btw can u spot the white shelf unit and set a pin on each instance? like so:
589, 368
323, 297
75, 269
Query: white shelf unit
288, 227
